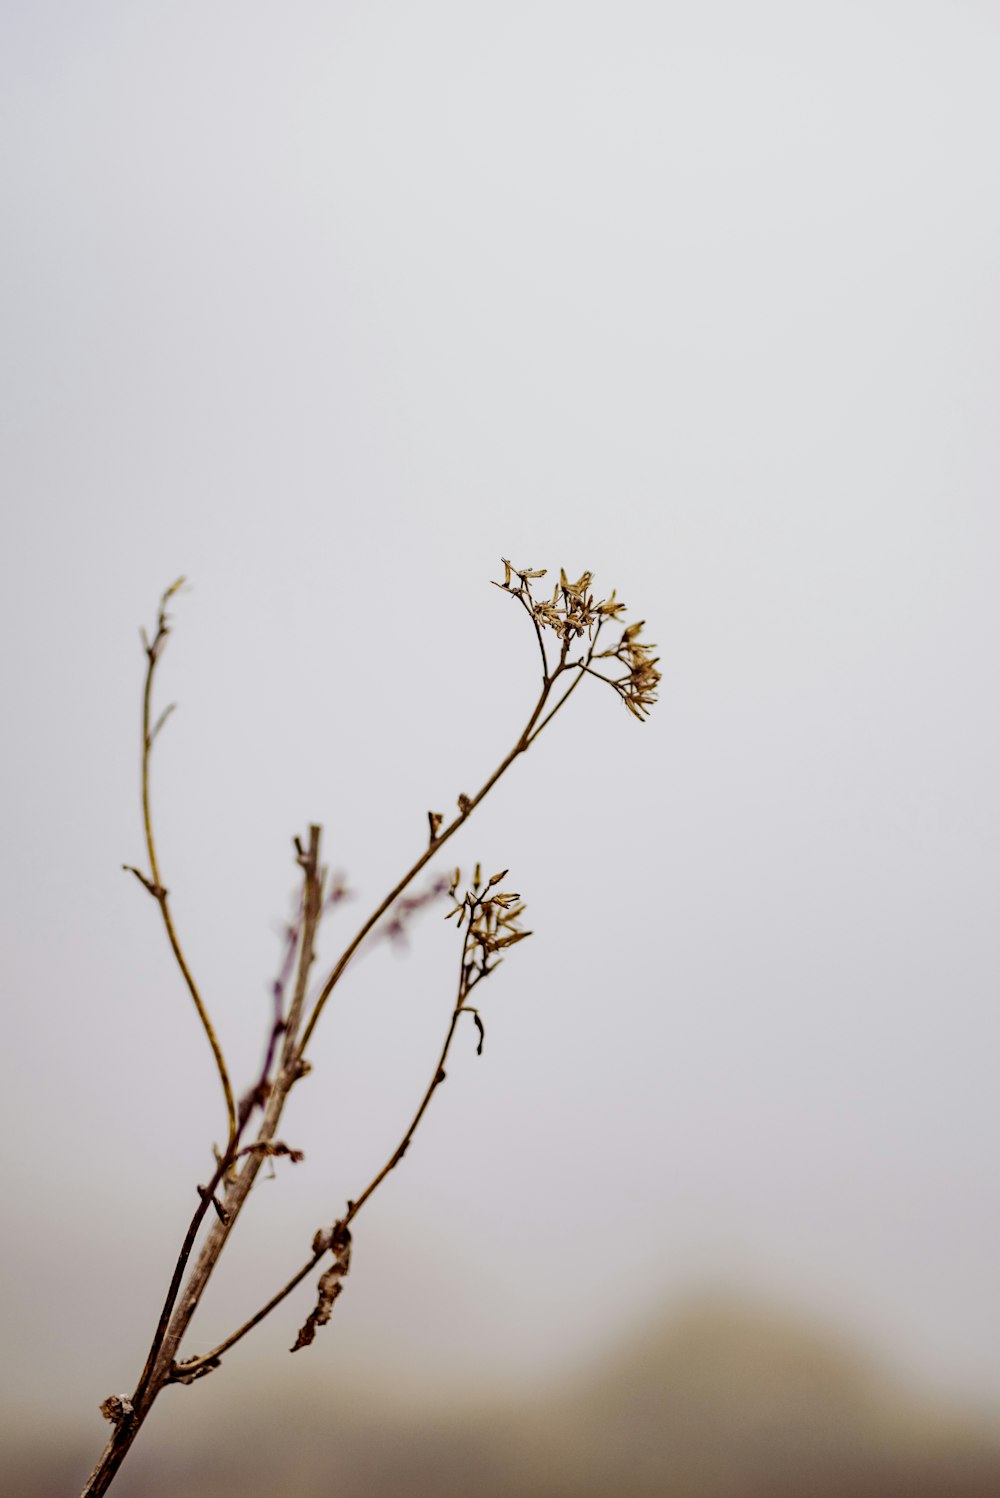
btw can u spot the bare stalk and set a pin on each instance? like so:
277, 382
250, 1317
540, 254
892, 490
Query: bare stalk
469, 977
153, 882
177, 1313
468, 805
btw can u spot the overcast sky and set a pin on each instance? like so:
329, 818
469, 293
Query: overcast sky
328, 306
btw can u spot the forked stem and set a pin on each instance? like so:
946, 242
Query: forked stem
467, 981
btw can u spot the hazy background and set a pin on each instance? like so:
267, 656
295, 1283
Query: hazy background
328, 306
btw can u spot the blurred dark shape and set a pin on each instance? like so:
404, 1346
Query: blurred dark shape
730, 1400
725, 1400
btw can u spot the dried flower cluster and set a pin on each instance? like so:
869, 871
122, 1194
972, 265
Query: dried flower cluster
573, 613
492, 924
637, 688
493, 918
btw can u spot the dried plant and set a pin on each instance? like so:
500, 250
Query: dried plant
489, 919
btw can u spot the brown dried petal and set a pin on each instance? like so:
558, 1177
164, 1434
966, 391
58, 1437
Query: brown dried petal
508, 941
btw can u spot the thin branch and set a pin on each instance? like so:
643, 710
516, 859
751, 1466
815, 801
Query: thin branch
161, 720
257, 1095
312, 908
154, 884
551, 714
438, 1077
519, 595
156, 890
238, 1185
207, 1197
395, 929
581, 666
612, 681
468, 806
195, 1367
180, 1305
224, 1165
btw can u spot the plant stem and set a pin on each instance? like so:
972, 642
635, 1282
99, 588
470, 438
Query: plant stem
470, 805
155, 883
210, 1359
177, 1312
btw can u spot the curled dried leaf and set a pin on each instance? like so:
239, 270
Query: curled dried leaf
330, 1282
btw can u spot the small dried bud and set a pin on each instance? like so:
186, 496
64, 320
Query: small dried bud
464, 804
116, 1408
322, 1241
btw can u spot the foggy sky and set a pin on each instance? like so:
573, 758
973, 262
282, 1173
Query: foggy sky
329, 306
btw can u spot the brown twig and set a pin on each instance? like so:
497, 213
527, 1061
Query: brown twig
469, 978
154, 884
436, 1079
468, 806
179, 1307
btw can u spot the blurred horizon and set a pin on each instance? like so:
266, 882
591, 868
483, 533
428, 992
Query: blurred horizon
720, 1394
